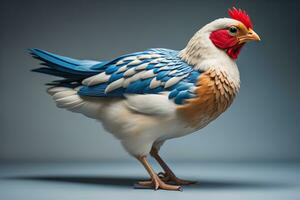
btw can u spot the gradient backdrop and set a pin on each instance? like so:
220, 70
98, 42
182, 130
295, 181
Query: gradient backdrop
262, 124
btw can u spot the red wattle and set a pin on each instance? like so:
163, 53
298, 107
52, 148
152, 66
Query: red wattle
234, 51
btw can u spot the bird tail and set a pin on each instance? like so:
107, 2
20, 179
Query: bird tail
64, 91
67, 98
72, 71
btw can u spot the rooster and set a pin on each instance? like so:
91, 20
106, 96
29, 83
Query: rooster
148, 97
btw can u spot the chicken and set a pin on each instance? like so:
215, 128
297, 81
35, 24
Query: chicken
148, 97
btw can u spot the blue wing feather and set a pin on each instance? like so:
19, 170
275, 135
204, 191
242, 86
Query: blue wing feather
164, 64
161, 69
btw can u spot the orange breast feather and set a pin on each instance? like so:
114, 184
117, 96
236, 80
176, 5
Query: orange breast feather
214, 93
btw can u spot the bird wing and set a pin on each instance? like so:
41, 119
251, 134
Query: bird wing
154, 71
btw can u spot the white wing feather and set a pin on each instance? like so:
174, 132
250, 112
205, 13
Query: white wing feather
151, 104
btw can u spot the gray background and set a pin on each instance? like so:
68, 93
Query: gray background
262, 124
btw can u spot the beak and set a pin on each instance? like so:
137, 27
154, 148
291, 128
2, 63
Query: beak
250, 36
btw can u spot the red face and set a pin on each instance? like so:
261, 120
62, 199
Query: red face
233, 38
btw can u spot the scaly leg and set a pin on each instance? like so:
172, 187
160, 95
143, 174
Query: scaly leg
168, 175
155, 182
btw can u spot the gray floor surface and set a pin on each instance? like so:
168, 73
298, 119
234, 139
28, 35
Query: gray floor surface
115, 180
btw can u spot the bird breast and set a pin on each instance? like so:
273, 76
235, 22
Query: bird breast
215, 93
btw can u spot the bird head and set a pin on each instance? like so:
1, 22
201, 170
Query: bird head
232, 34
225, 34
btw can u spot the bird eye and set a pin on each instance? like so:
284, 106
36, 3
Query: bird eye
233, 30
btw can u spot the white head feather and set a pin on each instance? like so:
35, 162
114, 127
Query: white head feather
201, 53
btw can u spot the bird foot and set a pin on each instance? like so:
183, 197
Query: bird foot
156, 184
170, 178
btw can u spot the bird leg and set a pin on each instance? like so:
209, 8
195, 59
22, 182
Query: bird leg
168, 175
155, 181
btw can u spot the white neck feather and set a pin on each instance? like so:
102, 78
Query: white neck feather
201, 53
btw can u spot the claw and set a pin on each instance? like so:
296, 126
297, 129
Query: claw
156, 184
173, 179
168, 176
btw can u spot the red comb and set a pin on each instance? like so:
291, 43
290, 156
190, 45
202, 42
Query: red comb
240, 15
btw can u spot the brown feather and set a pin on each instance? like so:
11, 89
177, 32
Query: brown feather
214, 93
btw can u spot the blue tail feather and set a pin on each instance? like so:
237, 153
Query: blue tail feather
72, 70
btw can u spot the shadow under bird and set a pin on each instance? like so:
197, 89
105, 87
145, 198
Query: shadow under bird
148, 97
